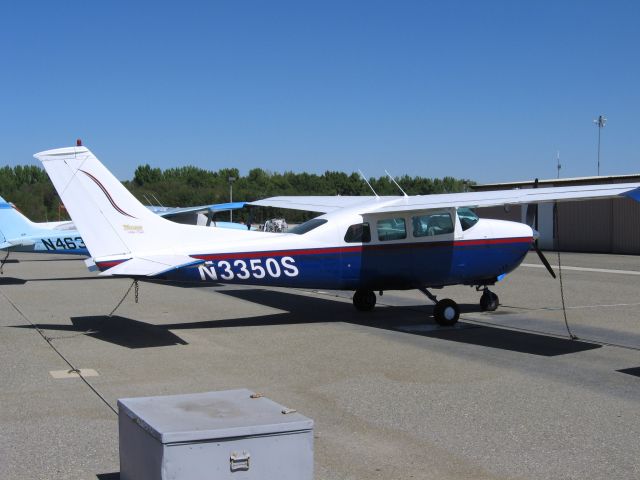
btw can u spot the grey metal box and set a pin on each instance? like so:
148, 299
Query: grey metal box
213, 435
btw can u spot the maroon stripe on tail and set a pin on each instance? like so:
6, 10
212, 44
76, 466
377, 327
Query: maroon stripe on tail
106, 193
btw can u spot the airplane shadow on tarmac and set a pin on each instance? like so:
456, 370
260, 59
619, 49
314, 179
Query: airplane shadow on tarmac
117, 330
300, 309
12, 281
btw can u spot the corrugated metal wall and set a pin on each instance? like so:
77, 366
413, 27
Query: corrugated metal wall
626, 226
601, 226
585, 226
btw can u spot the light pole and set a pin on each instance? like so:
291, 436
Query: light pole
601, 121
231, 180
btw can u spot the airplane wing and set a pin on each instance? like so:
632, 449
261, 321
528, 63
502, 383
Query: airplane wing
150, 265
168, 212
509, 197
369, 204
324, 204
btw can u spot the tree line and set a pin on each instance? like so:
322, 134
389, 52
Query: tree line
30, 189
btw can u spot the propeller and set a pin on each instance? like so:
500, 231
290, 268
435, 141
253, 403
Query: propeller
543, 259
532, 221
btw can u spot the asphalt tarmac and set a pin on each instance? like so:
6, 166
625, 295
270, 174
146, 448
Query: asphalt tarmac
504, 395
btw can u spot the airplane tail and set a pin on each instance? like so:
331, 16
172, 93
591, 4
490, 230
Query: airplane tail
112, 222
13, 224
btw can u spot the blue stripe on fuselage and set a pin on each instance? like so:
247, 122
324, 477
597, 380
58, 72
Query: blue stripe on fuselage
384, 266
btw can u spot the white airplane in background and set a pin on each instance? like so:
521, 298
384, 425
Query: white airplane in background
363, 244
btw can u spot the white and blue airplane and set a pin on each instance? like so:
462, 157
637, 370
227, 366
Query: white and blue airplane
362, 244
19, 234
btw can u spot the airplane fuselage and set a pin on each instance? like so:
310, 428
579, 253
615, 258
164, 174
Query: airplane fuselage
69, 243
478, 255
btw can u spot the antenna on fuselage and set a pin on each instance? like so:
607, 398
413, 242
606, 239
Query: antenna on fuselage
156, 199
394, 181
367, 182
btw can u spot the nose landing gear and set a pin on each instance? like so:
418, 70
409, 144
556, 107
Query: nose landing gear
488, 301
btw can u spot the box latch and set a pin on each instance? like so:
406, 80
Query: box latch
239, 462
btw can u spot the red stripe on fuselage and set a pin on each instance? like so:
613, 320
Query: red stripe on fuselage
339, 250
494, 241
359, 248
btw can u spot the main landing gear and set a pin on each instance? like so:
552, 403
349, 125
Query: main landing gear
446, 312
364, 300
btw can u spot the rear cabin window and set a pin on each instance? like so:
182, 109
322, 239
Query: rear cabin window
358, 233
467, 218
391, 229
432, 224
307, 226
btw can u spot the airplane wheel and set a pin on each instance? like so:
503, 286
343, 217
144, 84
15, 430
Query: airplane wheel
364, 300
446, 312
489, 301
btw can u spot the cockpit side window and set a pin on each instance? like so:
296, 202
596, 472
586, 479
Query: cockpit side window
358, 233
432, 224
392, 229
467, 218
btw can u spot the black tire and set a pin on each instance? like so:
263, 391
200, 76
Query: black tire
364, 300
489, 302
446, 312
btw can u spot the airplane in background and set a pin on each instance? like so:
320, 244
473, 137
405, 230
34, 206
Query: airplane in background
363, 244
19, 234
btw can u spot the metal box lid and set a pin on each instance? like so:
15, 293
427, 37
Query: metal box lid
211, 416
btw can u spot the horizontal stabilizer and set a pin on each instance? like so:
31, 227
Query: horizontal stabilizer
150, 266
22, 242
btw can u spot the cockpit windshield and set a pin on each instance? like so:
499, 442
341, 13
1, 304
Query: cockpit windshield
307, 226
467, 218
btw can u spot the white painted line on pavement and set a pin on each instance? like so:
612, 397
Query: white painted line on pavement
584, 269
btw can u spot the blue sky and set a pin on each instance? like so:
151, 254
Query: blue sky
487, 90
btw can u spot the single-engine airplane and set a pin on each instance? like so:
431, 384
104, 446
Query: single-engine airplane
19, 234
363, 244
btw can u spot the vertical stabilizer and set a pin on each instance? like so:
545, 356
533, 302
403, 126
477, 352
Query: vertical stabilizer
112, 222
110, 219
13, 224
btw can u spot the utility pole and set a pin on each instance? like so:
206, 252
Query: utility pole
601, 121
231, 180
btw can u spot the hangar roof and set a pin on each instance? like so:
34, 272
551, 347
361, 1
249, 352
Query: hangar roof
559, 182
